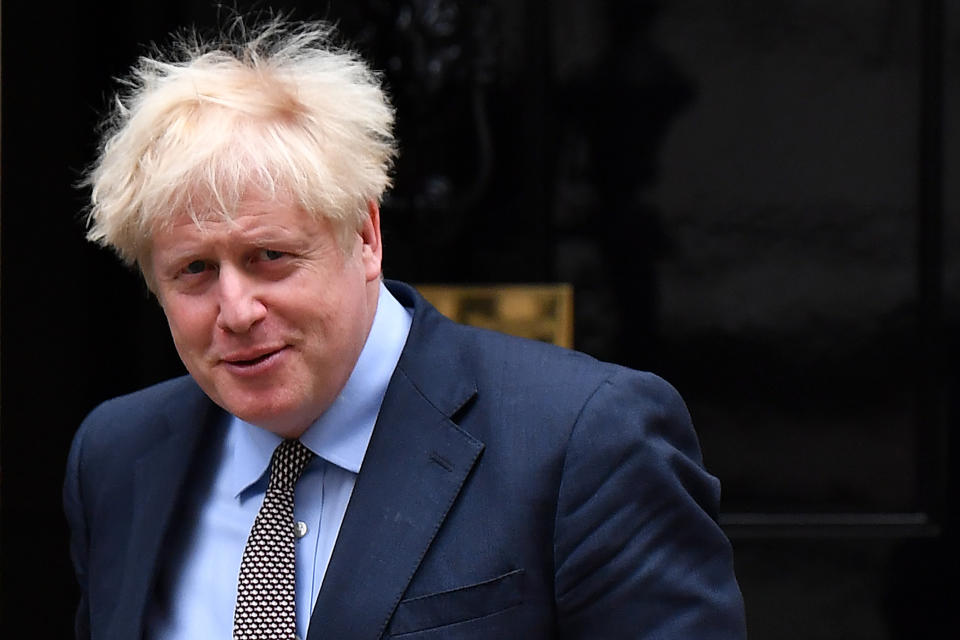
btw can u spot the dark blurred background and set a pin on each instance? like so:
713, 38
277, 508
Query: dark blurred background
757, 199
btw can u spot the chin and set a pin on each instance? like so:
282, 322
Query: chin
279, 415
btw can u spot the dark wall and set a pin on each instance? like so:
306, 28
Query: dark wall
757, 199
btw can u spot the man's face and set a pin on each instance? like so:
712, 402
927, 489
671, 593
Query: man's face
268, 312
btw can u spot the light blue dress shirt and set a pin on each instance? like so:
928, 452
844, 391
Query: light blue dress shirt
203, 589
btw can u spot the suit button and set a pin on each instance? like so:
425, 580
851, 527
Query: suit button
301, 529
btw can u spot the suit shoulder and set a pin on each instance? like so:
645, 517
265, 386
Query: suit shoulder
148, 399
543, 361
127, 419
544, 374
439, 347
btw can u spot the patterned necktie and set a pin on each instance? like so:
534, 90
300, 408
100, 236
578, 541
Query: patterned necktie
266, 608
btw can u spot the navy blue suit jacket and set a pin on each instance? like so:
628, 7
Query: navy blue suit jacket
511, 489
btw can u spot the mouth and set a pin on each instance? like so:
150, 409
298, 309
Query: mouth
251, 359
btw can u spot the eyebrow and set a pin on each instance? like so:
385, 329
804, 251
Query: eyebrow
258, 237
268, 232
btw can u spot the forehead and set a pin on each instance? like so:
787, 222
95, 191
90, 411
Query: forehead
255, 221
250, 215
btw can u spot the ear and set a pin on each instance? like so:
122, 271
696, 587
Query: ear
371, 248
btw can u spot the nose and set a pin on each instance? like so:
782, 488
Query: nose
240, 307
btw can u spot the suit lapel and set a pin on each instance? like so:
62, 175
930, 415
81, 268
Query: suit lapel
414, 468
160, 476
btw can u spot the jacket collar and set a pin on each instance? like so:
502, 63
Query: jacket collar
414, 469
155, 502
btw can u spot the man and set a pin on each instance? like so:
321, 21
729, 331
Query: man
453, 483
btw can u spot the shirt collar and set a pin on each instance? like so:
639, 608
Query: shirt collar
341, 434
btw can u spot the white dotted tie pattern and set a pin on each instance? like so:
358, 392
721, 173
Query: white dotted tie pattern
266, 605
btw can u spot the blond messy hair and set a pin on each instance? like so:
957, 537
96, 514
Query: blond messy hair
275, 108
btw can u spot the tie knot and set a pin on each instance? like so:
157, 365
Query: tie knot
288, 462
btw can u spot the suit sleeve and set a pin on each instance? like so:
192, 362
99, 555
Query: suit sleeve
638, 552
73, 508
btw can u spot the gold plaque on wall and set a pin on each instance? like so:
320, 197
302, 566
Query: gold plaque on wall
541, 312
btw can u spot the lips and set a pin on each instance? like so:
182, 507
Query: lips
250, 361
251, 358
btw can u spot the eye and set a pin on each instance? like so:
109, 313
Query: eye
197, 266
271, 254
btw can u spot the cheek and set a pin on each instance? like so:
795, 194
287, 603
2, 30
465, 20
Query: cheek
190, 324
